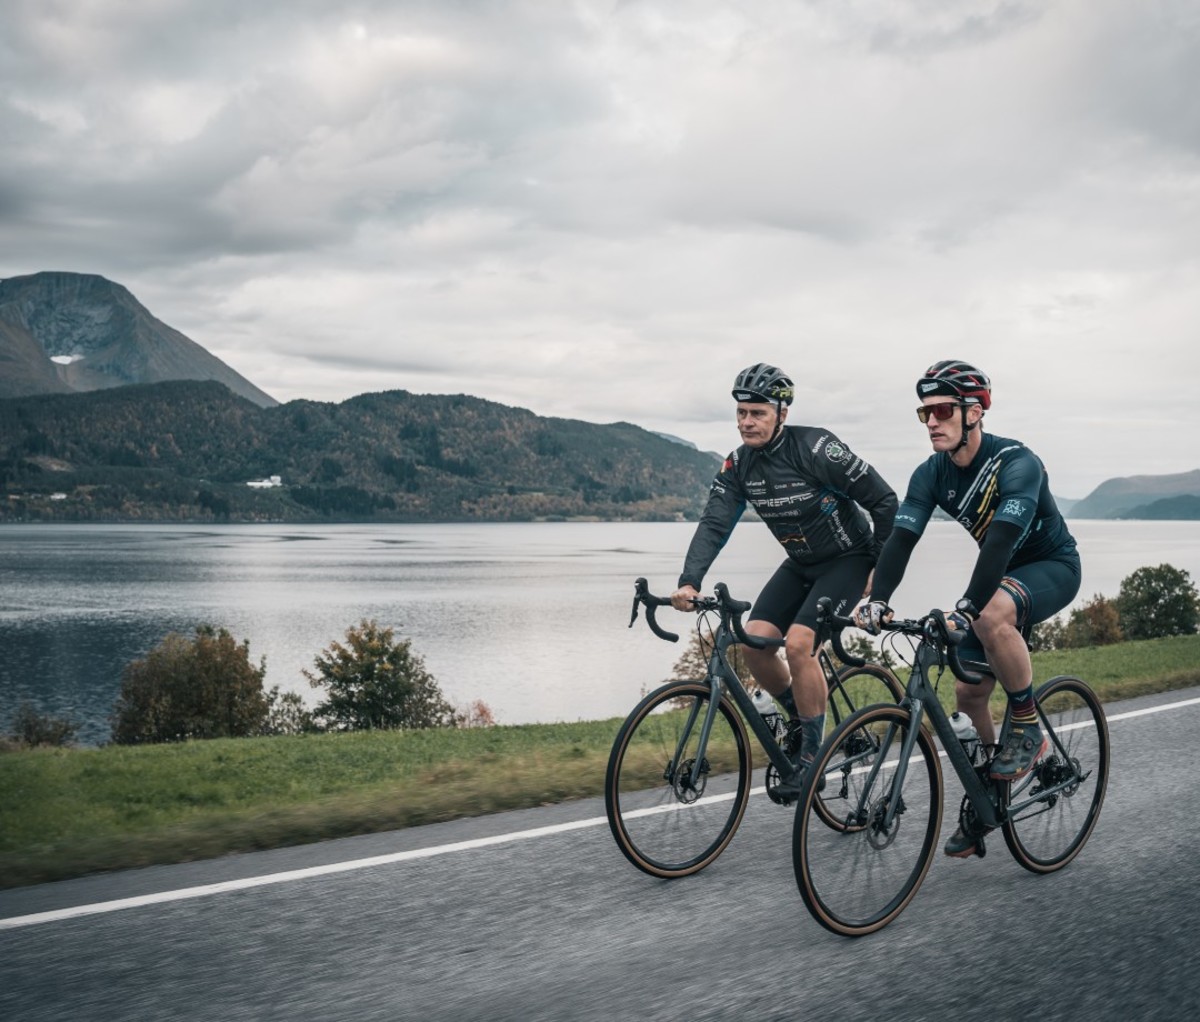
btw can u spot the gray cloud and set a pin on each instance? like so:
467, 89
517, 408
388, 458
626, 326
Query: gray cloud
605, 210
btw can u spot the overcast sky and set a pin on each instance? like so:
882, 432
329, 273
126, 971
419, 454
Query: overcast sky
604, 210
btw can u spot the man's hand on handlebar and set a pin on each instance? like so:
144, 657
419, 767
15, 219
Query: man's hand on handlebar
684, 598
958, 622
871, 616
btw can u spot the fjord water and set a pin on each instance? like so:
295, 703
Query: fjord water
531, 618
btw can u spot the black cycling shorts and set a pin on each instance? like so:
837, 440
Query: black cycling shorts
791, 594
1040, 590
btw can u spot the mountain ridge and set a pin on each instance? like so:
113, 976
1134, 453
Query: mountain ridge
63, 332
188, 450
107, 413
1131, 496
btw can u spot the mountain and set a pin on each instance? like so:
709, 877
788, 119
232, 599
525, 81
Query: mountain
77, 332
1183, 508
1066, 505
1132, 496
185, 450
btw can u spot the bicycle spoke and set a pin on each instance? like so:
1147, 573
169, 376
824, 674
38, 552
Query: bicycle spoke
858, 876
1053, 810
672, 807
854, 688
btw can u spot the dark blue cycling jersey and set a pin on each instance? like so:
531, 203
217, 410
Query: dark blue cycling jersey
1005, 482
1003, 499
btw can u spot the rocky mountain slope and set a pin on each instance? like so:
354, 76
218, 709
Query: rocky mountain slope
76, 332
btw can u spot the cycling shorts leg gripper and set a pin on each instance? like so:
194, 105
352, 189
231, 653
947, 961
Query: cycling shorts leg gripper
1041, 589
1016, 589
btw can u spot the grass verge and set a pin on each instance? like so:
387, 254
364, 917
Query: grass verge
69, 812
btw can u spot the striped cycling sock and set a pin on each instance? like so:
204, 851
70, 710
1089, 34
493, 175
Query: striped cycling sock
1021, 707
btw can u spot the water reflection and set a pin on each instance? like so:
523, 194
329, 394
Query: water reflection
530, 618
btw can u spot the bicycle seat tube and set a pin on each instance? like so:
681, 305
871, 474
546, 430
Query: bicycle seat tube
982, 795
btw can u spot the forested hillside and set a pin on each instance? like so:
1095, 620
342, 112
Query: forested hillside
186, 451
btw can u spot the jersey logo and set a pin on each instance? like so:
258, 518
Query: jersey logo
1014, 508
836, 453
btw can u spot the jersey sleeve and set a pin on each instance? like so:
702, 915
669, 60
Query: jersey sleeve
726, 502
919, 502
837, 465
1020, 486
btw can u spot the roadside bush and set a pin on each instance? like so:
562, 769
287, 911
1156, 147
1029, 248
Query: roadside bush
373, 681
204, 687
30, 728
475, 714
1096, 623
287, 714
1047, 635
1157, 602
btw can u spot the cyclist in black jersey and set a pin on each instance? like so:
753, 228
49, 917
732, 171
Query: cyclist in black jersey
1027, 569
810, 490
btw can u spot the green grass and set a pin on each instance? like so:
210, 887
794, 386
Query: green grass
68, 812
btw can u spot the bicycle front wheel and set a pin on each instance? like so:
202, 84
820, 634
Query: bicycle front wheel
857, 877
1054, 808
672, 807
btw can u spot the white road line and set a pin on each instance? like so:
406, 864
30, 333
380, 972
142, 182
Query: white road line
204, 891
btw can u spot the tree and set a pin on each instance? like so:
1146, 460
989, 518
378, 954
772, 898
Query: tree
1159, 601
475, 714
1047, 635
287, 714
204, 687
30, 728
1096, 623
376, 682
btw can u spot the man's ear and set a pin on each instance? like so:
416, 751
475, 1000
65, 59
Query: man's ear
783, 410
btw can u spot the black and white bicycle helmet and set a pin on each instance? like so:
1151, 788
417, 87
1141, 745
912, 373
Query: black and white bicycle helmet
762, 382
955, 378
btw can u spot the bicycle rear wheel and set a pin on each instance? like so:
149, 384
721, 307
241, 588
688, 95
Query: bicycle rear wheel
854, 688
669, 819
857, 877
1054, 808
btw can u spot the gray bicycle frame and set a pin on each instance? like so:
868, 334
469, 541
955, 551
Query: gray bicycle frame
720, 677
986, 799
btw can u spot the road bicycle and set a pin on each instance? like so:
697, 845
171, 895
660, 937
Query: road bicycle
858, 878
679, 775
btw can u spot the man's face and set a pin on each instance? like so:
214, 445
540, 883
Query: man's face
756, 422
944, 434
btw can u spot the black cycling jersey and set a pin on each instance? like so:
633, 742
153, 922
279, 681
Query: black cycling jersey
810, 490
1002, 498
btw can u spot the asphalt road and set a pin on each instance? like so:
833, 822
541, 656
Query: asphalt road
536, 915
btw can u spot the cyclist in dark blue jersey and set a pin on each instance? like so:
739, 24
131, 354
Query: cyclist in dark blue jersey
1026, 571
810, 490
